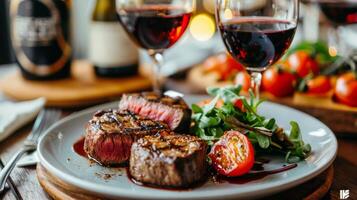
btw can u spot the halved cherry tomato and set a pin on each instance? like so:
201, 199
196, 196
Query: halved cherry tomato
278, 82
223, 64
243, 79
303, 64
319, 85
346, 89
233, 154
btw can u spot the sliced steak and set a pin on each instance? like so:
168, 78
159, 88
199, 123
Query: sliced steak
168, 160
110, 134
173, 111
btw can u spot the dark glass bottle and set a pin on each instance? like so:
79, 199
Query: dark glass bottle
111, 51
40, 37
5, 52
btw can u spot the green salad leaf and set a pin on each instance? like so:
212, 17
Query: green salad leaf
210, 123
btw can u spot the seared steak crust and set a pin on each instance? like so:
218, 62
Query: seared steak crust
110, 134
172, 111
168, 160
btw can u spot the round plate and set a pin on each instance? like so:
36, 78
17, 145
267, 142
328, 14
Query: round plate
57, 156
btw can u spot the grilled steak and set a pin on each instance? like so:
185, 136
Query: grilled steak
110, 134
168, 160
172, 111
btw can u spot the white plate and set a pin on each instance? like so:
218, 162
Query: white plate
57, 156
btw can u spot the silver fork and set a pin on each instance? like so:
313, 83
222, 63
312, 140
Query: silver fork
43, 121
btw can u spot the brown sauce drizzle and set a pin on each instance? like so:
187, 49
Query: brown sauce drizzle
253, 175
78, 147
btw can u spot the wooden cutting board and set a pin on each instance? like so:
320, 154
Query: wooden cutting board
81, 89
60, 190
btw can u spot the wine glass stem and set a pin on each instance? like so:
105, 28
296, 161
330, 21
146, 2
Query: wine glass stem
157, 59
333, 38
256, 79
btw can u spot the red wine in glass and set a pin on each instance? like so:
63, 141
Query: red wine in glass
257, 43
157, 27
340, 12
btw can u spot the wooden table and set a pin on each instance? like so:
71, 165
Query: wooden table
26, 182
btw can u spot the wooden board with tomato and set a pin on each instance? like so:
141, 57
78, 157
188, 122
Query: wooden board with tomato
307, 78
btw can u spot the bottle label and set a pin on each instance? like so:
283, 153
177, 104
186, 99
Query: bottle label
34, 32
39, 36
109, 45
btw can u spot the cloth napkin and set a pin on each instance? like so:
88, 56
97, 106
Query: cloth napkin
15, 115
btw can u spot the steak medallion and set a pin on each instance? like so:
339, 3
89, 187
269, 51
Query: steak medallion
110, 134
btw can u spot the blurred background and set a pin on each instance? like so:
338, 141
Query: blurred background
322, 53
201, 40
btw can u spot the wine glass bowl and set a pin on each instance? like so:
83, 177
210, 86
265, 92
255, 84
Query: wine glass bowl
339, 12
155, 26
257, 43
257, 33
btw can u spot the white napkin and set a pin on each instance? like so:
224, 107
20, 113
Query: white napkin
15, 115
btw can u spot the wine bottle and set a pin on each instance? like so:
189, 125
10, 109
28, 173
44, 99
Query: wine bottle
40, 32
110, 49
5, 53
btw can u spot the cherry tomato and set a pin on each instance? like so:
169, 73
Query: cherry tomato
302, 63
232, 155
346, 89
223, 64
243, 79
319, 85
210, 64
239, 104
233, 64
278, 82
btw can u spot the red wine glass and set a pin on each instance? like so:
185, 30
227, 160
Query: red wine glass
339, 13
155, 25
257, 33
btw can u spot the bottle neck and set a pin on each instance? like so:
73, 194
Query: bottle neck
104, 11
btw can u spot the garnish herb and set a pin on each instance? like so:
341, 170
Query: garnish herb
210, 122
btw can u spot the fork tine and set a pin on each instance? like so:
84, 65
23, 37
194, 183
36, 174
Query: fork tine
50, 116
41, 122
54, 116
38, 120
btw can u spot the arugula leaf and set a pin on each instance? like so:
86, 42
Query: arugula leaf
291, 159
213, 91
209, 122
217, 132
295, 131
270, 124
209, 107
196, 108
300, 150
228, 93
263, 140
228, 108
